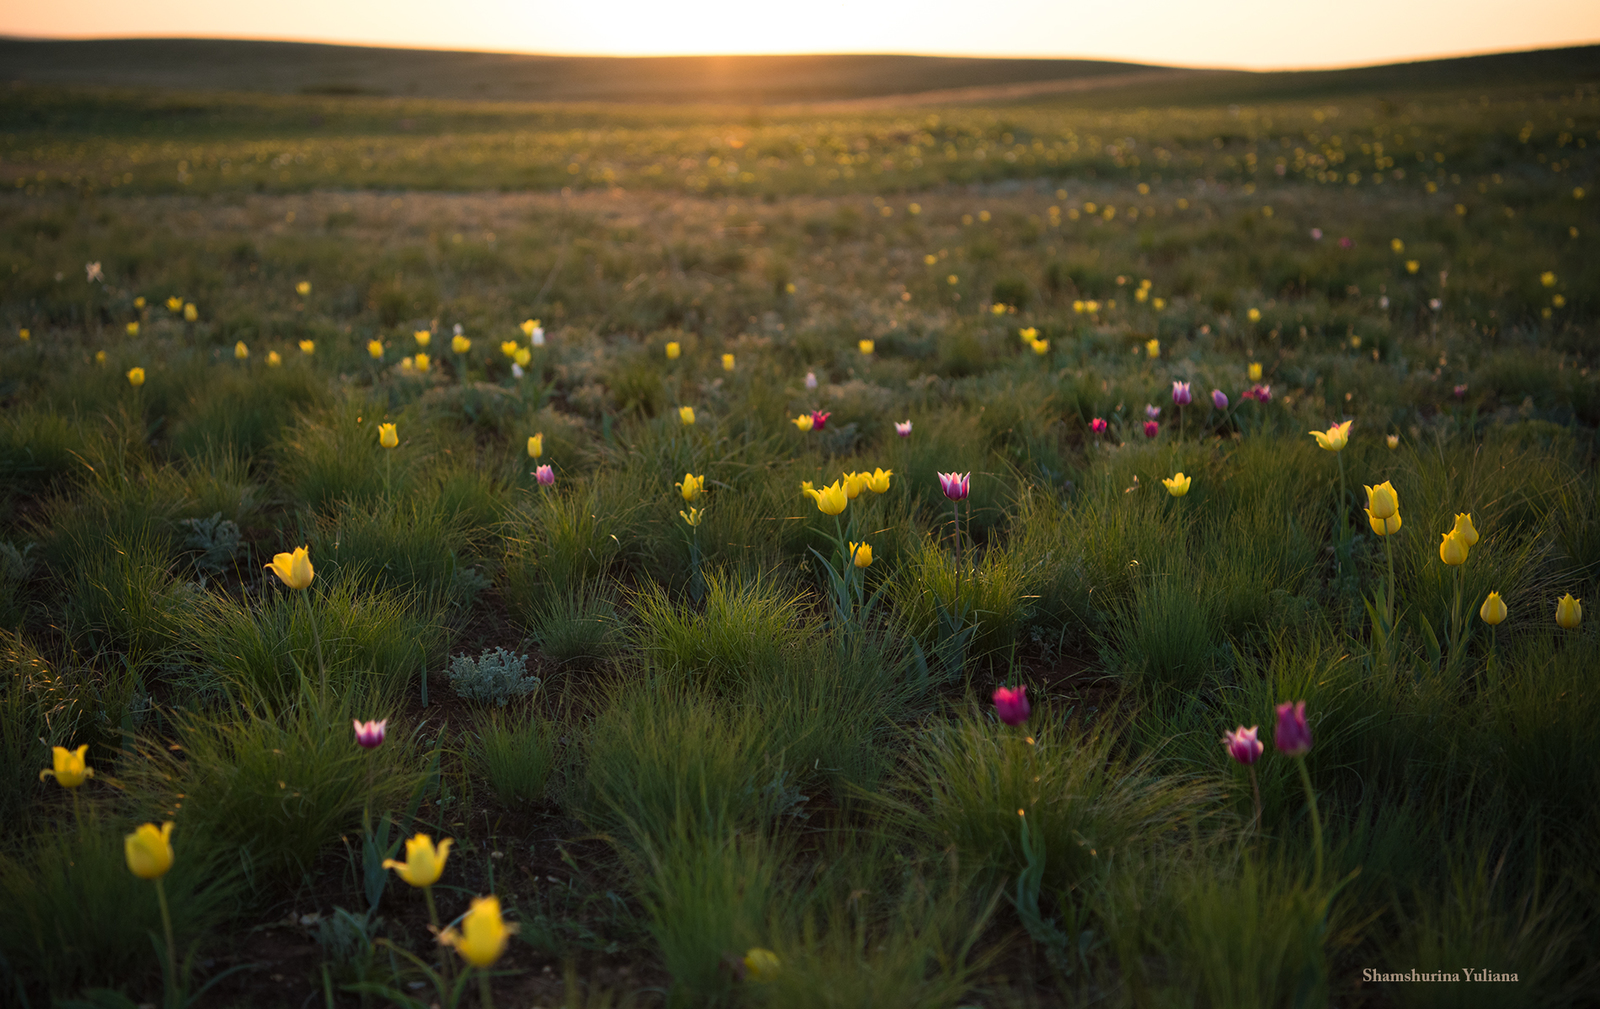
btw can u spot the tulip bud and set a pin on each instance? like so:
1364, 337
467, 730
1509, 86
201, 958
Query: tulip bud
375, 349
1382, 501
1151, 429
956, 486
811, 380
1098, 425
1464, 529
866, 346
1243, 745
1012, 705
1569, 613
1219, 399
535, 445
1180, 394
387, 436
673, 350
1255, 371
136, 377
1452, 549
727, 362
1293, 737
240, 351
1493, 610
545, 475
149, 850
686, 415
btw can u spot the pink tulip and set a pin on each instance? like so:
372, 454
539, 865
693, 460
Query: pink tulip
902, 428
1316, 234
1098, 425
1012, 705
1180, 394
1461, 392
1219, 399
955, 485
1151, 429
370, 734
1242, 744
819, 418
1347, 243
545, 475
1260, 393
1293, 737
1152, 411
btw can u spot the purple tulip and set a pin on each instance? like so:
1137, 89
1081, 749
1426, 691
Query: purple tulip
1152, 411
1243, 745
1151, 429
1012, 705
1293, 737
1180, 394
545, 475
1461, 392
1219, 399
955, 485
1098, 425
370, 734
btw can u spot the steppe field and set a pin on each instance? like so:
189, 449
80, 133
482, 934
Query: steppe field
833, 535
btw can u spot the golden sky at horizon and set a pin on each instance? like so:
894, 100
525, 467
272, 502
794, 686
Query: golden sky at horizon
1252, 34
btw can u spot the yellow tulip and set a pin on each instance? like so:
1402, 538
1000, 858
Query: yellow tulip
149, 850
509, 348
1028, 334
1464, 529
423, 337
303, 288
1040, 347
1152, 348
1254, 315
483, 933
831, 500
866, 346
861, 554
523, 356
1493, 610
190, 313
138, 302
294, 569
673, 350
308, 346
1384, 527
1177, 485
1335, 438
375, 349
420, 362
727, 362
460, 344
692, 486
99, 357
878, 480
1382, 501
424, 863
692, 516
1392, 440
1255, 371
387, 437
274, 359
70, 770
132, 327
536, 445
174, 305
136, 376
1452, 549
686, 414
528, 326
240, 351
1569, 613
761, 964
804, 422
855, 483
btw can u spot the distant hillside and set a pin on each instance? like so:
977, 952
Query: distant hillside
303, 68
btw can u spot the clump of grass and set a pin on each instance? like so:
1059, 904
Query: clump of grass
515, 754
741, 635
990, 593
1168, 636
581, 627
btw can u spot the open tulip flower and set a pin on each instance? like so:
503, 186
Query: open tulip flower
1293, 737
1040, 347
424, 863
1464, 529
1181, 396
820, 418
1243, 745
294, 569
686, 415
308, 347
370, 734
423, 337
831, 500
1099, 425
1382, 501
1177, 485
149, 850
460, 344
1452, 549
1011, 704
1335, 438
1493, 610
509, 348
691, 517
691, 487
388, 437
878, 480
70, 769
861, 555
804, 422
902, 428
1569, 613
483, 933
956, 486
866, 347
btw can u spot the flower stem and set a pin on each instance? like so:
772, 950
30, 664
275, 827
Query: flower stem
174, 992
1344, 514
1388, 609
483, 989
1316, 821
1255, 788
433, 919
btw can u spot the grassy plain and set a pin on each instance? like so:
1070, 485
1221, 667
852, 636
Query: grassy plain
721, 755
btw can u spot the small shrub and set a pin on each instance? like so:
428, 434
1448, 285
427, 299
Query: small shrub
494, 677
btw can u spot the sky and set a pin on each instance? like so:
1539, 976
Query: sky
1251, 34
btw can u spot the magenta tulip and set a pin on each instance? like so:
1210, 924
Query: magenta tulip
1242, 744
955, 485
1151, 429
819, 418
1012, 705
1098, 425
370, 734
1219, 399
1180, 394
1293, 737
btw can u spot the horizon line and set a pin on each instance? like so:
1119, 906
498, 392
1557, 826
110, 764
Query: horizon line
418, 47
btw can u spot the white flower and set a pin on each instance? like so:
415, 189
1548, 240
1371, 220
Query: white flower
93, 270
516, 370
1383, 302
459, 330
811, 380
538, 336
1435, 304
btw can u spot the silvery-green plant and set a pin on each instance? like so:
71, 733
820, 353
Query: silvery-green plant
494, 676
